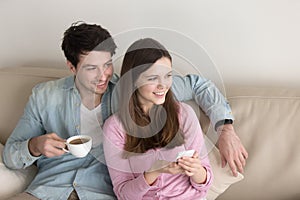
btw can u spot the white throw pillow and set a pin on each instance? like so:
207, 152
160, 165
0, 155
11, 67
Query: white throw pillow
14, 181
223, 177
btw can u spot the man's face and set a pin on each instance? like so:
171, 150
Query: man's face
93, 73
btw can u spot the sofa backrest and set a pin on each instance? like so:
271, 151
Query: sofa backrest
267, 122
15, 88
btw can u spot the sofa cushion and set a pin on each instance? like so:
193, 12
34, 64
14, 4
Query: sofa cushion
223, 177
14, 181
269, 128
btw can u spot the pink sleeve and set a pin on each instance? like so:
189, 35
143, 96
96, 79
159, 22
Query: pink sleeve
126, 185
194, 140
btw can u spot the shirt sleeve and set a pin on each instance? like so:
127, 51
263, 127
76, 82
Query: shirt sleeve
194, 139
127, 185
16, 154
206, 95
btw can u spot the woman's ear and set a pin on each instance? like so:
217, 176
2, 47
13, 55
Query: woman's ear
71, 67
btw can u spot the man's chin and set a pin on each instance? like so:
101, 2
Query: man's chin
100, 91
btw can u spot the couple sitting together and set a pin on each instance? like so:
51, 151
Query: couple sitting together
140, 141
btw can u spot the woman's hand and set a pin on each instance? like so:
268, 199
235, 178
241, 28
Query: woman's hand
159, 167
192, 167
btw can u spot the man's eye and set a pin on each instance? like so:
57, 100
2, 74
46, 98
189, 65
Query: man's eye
90, 68
107, 65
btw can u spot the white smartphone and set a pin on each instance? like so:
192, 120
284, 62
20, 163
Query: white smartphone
188, 153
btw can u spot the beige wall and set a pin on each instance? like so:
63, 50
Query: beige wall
250, 42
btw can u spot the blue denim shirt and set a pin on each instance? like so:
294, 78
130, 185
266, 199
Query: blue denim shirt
54, 106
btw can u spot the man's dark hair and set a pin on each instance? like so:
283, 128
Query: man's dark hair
82, 38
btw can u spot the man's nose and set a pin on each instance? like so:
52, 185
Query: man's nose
100, 72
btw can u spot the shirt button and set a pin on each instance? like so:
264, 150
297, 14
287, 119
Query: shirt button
74, 184
77, 127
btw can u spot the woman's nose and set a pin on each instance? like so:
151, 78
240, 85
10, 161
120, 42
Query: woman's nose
162, 83
160, 86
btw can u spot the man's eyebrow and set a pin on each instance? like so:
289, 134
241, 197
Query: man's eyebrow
89, 65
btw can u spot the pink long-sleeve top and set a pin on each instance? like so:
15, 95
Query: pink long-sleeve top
127, 173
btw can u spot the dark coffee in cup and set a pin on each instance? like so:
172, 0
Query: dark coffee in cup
79, 141
78, 145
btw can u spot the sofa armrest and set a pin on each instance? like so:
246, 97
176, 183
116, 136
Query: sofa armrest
14, 181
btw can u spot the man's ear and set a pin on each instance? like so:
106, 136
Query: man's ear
71, 67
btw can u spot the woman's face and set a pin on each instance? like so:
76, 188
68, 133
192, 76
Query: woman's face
154, 83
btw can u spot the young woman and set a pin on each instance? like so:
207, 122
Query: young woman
142, 140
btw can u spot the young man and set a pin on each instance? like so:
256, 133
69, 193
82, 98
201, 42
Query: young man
58, 109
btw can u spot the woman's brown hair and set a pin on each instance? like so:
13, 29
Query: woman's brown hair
159, 128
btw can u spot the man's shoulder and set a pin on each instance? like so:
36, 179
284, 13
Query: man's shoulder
62, 83
114, 79
53, 90
113, 82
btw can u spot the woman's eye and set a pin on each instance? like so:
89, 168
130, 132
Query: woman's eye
152, 79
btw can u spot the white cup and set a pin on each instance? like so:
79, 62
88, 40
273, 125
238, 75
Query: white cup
79, 145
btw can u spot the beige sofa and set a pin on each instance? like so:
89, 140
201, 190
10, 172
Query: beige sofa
267, 121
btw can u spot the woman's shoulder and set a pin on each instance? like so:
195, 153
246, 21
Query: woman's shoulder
187, 113
112, 121
114, 125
